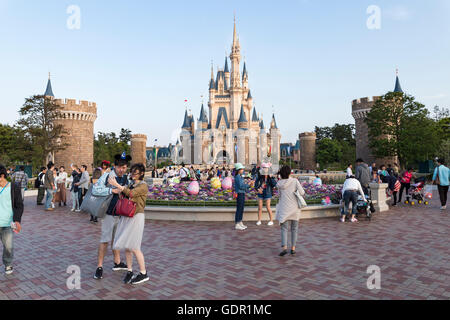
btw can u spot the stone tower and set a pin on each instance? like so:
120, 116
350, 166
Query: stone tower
360, 109
139, 149
307, 151
78, 121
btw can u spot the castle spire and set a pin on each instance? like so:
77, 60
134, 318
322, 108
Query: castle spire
242, 118
255, 116
49, 91
203, 117
273, 124
226, 65
398, 87
186, 123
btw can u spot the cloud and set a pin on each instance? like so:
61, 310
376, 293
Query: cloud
398, 13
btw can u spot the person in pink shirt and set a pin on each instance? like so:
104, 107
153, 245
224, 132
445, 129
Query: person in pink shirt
405, 181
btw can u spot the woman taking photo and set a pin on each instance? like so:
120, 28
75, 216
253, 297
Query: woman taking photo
288, 211
130, 230
264, 186
240, 188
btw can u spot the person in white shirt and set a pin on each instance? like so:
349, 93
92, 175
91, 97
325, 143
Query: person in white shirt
350, 192
61, 195
349, 170
184, 173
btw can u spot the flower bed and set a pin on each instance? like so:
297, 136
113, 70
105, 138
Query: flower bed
177, 195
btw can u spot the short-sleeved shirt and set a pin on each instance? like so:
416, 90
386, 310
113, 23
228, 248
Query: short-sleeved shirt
6, 210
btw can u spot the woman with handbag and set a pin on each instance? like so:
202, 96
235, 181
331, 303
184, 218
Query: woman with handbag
441, 179
288, 208
131, 224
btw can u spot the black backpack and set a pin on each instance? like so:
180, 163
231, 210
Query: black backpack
37, 182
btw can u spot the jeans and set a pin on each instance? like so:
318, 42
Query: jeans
240, 203
75, 200
81, 193
443, 191
352, 196
6, 236
49, 198
284, 232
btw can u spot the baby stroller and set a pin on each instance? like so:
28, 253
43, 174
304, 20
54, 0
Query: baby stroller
417, 193
365, 207
362, 207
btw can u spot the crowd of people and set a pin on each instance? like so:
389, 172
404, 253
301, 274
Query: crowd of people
124, 233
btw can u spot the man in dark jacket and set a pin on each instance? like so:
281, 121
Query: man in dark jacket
362, 174
11, 210
39, 184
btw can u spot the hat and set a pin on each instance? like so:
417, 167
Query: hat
239, 166
106, 162
265, 169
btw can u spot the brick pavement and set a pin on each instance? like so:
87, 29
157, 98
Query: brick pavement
213, 261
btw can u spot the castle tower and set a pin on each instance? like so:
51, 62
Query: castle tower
275, 140
307, 151
139, 149
227, 73
235, 80
78, 121
360, 109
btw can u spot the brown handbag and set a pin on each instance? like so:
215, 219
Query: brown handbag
437, 181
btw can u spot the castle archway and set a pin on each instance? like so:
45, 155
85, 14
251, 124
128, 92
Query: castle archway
222, 158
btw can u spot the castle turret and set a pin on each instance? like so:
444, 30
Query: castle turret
307, 151
227, 73
275, 140
398, 87
77, 120
245, 77
203, 119
242, 123
48, 90
139, 149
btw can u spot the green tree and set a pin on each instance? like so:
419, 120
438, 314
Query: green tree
400, 126
107, 145
38, 122
328, 151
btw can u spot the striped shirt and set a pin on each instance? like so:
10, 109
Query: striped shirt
21, 177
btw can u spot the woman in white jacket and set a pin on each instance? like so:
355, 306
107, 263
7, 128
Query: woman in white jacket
288, 209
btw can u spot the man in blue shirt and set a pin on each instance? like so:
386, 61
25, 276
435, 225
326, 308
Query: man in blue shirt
103, 187
441, 178
11, 210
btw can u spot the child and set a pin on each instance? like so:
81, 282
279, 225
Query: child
240, 187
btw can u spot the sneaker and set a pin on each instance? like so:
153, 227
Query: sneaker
270, 223
72, 210
283, 253
98, 273
140, 278
239, 227
243, 225
343, 219
258, 223
53, 205
119, 266
49, 209
78, 210
443, 207
9, 270
128, 277
354, 220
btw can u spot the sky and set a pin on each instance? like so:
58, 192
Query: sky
140, 60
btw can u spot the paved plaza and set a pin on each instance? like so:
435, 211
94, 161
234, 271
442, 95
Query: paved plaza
213, 261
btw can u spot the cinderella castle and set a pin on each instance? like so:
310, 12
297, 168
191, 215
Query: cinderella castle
233, 132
